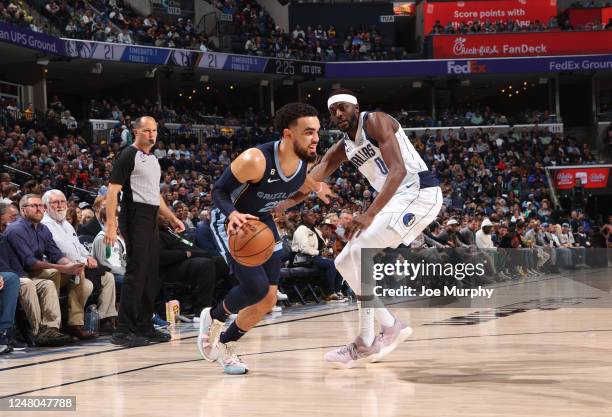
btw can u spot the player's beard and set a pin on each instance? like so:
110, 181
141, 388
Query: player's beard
351, 122
303, 154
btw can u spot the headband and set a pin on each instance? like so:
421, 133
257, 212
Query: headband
347, 98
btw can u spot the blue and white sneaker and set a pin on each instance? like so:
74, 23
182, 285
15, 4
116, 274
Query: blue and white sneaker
232, 365
208, 337
159, 323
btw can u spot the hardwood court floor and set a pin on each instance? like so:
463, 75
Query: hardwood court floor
459, 362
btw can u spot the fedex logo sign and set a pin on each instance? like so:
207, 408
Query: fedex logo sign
469, 67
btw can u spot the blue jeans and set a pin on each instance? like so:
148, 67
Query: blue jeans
8, 300
330, 273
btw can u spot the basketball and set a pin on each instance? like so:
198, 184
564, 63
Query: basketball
253, 244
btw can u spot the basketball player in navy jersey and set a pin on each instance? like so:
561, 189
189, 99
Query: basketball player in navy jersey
408, 199
250, 188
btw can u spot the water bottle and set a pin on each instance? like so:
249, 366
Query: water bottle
92, 319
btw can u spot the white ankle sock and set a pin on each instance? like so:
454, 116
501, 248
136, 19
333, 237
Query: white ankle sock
366, 324
384, 317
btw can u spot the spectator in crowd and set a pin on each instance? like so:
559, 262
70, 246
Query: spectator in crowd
116, 260
204, 238
126, 136
87, 215
14, 13
8, 213
72, 216
344, 219
578, 195
308, 244
545, 253
467, 235
563, 256
180, 262
94, 226
182, 212
568, 241
9, 290
68, 243
39, 292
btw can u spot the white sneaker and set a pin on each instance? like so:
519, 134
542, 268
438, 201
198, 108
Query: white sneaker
276, 309
232, 365
353, 354
281, 296
184, 319
208, 337
391, 337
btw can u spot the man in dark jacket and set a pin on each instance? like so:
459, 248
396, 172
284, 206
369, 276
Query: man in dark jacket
93, 226
180, 261
204, 238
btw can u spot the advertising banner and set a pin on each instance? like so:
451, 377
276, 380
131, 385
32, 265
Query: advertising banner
521, 44
33, 40
590, 16
468, 66
525, 11
591, 178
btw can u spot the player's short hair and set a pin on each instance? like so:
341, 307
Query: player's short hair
288, 115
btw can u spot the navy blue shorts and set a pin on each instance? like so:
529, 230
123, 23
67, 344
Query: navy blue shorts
270, 269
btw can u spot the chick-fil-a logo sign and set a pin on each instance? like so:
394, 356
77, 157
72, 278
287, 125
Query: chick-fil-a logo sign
521, 44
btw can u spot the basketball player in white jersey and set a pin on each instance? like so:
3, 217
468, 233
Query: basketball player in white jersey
408, 200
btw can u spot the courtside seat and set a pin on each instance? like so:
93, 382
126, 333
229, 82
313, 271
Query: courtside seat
297, 281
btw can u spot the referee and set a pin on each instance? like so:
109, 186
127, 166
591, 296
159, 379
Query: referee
137, 174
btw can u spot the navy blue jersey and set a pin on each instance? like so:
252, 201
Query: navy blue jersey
260, 198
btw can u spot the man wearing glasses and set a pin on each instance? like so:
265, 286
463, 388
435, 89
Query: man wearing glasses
48, 270
67, 241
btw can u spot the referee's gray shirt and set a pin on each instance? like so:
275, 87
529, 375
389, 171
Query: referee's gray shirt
139, 174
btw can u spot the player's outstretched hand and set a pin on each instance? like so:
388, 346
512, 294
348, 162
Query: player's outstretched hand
324, 192
236, 220
357, 225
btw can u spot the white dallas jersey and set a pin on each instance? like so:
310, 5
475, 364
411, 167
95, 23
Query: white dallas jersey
365, 155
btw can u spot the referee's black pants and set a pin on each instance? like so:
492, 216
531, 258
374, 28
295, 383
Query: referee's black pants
138, 225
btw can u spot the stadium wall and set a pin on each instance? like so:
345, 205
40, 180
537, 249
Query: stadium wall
278, 12
342, 16
141, 6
